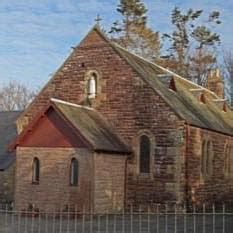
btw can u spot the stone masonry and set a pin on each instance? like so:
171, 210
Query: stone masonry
131, 106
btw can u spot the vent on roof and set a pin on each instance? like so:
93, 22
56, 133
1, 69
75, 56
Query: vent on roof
199, 94
172, 85
221, 103
168, 80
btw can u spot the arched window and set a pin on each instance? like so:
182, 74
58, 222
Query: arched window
228, 166
36, 171
92, 85
144, 156
74, 172
207, 159
203, 157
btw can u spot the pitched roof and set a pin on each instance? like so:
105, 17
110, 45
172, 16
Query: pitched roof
97, 132
92, 125
208, 115
182, 101
8, 132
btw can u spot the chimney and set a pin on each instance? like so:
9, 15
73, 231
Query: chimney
215, 83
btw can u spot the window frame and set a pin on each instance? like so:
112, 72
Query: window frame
74, 175
36, 171
228, 167
150, 136
207, 159
144, 141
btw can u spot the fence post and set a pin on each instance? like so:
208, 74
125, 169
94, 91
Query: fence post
75, 218
194, 218
114, 224
203, 212
39, 222
25, 222
123, 220
83, 219
32, 221
148, 219
98, 223
60, 220
5, 227
166, 222
19, 221
91, 220
68, 218
175, 218
53, 217
157, 218
223, 220
106, 226
46, 222
140, 219
131, 218
213, 208
185, 218
12, 218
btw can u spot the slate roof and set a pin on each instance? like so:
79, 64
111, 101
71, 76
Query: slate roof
206, 115
182, 101
92, 125
8, 132
87, 122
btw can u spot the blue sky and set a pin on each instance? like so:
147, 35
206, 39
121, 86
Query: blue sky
37, 35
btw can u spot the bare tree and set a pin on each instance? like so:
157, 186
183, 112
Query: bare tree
15, 96
228, 65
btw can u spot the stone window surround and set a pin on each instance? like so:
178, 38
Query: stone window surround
207, 153
98, 82
74, 181
228, 156
35, 171
137, 153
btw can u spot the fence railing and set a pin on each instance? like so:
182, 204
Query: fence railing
154, 218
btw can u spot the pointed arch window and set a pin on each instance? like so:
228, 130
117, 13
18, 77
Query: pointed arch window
228, 166
36, 171
207, 159
145, 154
74, 172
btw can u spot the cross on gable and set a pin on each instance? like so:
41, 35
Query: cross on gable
98, 19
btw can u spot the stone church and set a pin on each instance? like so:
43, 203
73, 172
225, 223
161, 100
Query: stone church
111, 129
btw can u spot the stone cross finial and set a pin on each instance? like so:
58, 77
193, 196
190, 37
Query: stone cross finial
98, 19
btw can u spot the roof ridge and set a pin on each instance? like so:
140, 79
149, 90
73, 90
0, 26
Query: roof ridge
163, 69
70, 104
9, 111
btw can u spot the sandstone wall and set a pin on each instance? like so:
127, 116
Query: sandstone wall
217, 187
109, 179
54, 191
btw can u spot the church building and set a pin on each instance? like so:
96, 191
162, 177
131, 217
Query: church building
111, 129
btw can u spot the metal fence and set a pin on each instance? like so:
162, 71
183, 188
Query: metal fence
155, 218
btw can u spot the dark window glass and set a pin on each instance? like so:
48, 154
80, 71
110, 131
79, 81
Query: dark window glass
203, 158
208, 159
74, 172
144, 154
36, 171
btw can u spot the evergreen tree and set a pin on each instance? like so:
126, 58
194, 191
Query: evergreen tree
228, 65
193, 45
132, 32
